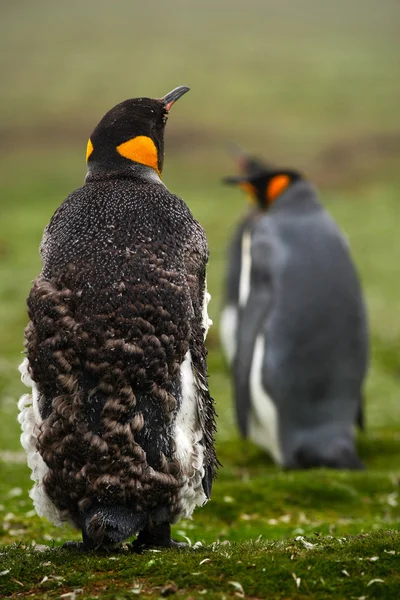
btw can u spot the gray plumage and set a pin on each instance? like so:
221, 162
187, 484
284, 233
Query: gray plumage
304, 319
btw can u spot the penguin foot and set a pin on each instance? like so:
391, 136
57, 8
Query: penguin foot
71, 545
158, 536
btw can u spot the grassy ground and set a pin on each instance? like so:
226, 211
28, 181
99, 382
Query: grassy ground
311, 87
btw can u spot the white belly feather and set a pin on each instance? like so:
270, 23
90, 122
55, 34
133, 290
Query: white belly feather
228, 332
263, 417
207, 322
245, 271
188, 436
229, 316
188, 433
30, 420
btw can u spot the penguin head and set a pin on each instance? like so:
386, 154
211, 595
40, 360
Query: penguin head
247, 164
264, 185
131, 133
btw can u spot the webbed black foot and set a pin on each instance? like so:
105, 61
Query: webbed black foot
157, 536
72, 545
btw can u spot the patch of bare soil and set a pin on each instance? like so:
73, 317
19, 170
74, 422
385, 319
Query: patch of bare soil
354, 159
71, 133
340, 162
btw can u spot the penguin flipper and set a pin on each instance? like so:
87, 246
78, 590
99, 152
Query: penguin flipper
230, 309
228, 327
207, 481
206, 417
253, 315
242, 396
197, 283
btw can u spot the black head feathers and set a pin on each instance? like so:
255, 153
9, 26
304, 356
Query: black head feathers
262, 182
131, 132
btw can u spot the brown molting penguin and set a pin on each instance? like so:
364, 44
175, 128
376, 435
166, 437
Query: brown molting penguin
119, 427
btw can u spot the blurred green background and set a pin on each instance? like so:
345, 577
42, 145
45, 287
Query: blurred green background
302, 83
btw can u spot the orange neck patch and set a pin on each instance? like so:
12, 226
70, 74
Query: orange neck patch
276, 186
140, 149
249, 190
89, 149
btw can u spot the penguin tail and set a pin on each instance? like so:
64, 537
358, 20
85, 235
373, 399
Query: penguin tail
111, 525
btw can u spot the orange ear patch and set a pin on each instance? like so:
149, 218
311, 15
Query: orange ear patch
89, 149
276, 186
248, 188
140, 149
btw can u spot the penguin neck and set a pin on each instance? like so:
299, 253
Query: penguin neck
300, 195
132, 171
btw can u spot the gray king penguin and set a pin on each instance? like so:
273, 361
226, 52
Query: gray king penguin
293, 325
119, 425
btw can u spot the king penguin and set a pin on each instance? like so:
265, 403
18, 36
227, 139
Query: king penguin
293, 326
119, 425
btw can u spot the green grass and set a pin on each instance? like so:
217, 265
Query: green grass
314, 87
317, 567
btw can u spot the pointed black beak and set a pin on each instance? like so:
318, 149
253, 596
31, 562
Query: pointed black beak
234, 180
173, 96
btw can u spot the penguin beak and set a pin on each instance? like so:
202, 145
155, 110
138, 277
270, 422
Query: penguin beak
234, 180
173, 96
244, 184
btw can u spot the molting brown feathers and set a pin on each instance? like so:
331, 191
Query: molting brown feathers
114, 315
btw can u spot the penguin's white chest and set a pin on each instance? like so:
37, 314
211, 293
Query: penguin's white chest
229, 316
245, 271
228, 332
263, 417
188, 436
207, 322
30, 421
188, 433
